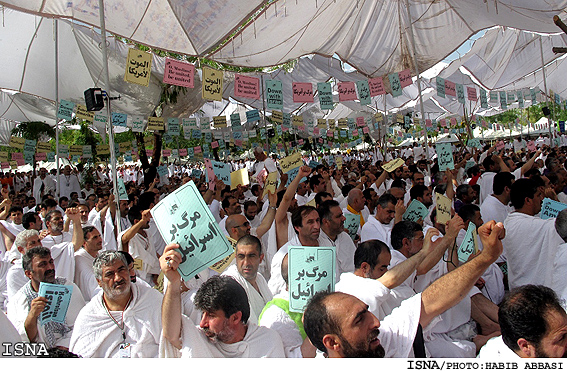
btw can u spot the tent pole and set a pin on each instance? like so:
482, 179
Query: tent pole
414, 54
264, 109
108, 121
57, 107
545, 88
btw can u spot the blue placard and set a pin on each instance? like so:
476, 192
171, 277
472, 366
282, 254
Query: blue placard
445, 156
253, 115
311, 269
325, 95
119, 119
183, 217
550, 208
196, 173
395, 84
173, 128
274, 94
363, 91
65, 110
415, 211
162, 171
352, 223
222, 171
58, 299
469, 244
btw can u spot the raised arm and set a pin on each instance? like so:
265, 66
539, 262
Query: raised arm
528, 165
171, 305
451, 288
397, 275
75, 216
269, 217
133, 230
441, 245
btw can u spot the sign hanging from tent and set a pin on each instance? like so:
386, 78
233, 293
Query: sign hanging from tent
302, 92
212, 84
138, 67
246, 86
179, 73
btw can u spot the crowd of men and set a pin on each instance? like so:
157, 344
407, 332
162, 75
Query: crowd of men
400, 291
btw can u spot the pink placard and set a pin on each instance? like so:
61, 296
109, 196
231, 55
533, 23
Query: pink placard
20, 162
443, 122
5, 165
355, 132
285, 128
302, 128
484, 124
471, 93
428, 123
210, 172
246, 86
300, 141
330, 133
376, 86
183, 152
405, 78
215, 144
531, 146
360, 121
17, 156
166, 152
40, 156
450, 88
453, 121
197, 149
347, 91
316, 131
446, 130
280, 145
365, 130
238, 142
302, 92
179, 73
321, 140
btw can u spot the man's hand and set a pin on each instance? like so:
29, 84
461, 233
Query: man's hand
169, 262
304, 171
146, 215
5, 193
272, 198
37, 306
491, 235
454, 226
428, 245
73, 214
44, 233
400, 208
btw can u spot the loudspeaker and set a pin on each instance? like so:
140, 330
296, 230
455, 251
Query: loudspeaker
546, 111
93, 99
271, 133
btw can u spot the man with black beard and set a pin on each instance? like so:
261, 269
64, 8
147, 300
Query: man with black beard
340, 325
533, 325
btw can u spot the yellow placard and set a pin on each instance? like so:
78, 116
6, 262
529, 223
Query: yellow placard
138, 67
343, 123
83, 114
239, 177
339, 162
221, 265
400, 118
291, 162
149, 140
271, 182
138, 264
156, 124
277, 117
212, 84
219, 121
103, 149
3, 156
393, 165
297, 120
75, 150
379, 117
44, 147
16, 142
311, 203
321, 123
443, 208
125, 146
14, 164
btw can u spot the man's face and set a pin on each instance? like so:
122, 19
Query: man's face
93, 242
42, 172
248, 260
398, 173
32, 241
64, 204
102, 202
31, 203
426, 199
216, 326
337, 221
381, 265
405, 172
123, 204
554, 342
243, 227
321, 186
234, 207
358, 202
470, 196
416, 243
56, 222
302, 189
385, 215
418, 179
398, 193
477, 220
43, 270
67, 170
359, 329
16, 217
537, 200
115, 281
310, 225
250, 212
84, 211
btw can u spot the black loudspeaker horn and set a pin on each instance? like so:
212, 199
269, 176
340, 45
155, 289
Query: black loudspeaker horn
546, 111
94, 99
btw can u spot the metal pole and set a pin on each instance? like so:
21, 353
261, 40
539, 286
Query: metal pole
545, 88
264, 109
108, 121
57, 184
414, 55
